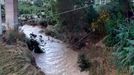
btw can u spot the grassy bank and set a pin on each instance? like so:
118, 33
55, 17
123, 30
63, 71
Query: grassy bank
17, 61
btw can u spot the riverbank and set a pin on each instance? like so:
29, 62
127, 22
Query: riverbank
58, 59
101, 58
17, 60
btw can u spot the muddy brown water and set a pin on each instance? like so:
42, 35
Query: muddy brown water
58, 59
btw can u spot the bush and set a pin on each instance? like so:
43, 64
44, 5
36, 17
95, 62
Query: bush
99, 24
84, 63
12, 36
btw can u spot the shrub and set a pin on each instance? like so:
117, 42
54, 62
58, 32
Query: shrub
12, 36
99, 24
84, 63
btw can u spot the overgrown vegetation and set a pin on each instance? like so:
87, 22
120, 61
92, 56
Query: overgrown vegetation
122, 40
28, 8
11, 37
120, 28
42, 9
17, 61
114, 20
72, 26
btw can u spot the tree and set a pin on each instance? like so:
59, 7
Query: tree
27, 8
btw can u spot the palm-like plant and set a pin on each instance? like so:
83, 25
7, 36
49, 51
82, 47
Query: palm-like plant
124, 46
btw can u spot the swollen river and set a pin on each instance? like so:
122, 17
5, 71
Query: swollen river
57, 59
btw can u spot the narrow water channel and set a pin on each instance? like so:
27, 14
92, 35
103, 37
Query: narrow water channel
57, 59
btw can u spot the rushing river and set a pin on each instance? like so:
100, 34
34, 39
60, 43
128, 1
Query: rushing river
57, 59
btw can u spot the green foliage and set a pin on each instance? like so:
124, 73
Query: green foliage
50, 10
89, 11
123, 43
99, 25
38, 3
112, 26
46, 9
117, 6
76, 21
27, 8
120, 35
84, 63
92, 14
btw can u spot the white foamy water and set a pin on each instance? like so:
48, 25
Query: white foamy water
57, 59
